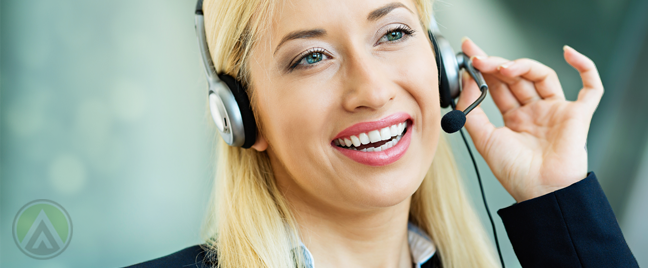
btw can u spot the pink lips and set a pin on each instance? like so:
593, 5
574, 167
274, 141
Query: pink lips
381, 158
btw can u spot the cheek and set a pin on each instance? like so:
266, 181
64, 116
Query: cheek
421, 82
296, 122
422, 77
424, 72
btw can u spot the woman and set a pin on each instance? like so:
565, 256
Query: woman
325, 184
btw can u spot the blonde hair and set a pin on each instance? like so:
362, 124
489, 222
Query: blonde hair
249, 223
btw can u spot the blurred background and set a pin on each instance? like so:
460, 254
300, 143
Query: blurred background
103, 110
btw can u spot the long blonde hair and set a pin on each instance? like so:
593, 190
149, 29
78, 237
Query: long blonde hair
249, 223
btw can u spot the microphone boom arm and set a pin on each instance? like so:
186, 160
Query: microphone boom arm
465, 62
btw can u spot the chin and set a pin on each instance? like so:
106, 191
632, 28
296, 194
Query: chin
389, 188
397, 183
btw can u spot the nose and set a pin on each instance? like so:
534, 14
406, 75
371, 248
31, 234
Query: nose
367, 84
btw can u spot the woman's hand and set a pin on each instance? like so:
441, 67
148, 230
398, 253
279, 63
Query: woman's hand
541, 147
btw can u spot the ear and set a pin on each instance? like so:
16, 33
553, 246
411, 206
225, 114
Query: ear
261, 143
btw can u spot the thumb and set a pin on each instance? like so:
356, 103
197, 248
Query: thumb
477, 123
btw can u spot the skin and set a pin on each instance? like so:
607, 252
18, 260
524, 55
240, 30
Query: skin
353, 215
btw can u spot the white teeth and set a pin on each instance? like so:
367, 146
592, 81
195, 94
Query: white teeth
347, 142
385, 134
394, 130
383, 147
355, 140
374, 136
364, 139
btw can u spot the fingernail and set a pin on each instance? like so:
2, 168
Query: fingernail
565, 47
463, 39
465, 76
478, 57
505, 65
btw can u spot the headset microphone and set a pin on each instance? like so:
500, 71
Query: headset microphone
455, 119
448, 66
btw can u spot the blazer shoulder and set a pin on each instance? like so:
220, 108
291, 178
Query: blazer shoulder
194, 256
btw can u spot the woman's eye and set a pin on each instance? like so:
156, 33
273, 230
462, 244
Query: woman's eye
396, 35
309, 59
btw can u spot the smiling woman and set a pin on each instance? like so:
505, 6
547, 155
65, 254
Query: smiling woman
348, 167
324, 86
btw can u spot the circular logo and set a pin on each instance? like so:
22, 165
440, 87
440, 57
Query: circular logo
42, 229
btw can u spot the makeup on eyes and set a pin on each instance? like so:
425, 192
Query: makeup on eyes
321, 53
406, 30
299, 58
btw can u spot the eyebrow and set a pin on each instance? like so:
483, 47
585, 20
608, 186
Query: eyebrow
301, 35
373, 16
381, 12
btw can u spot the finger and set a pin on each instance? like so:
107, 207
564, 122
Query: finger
491, 65
592, 86
482, 62
545, 79
477, 123
501, 94
498, 90
467, 86
479, 128
470, 48
498, 84
523, 90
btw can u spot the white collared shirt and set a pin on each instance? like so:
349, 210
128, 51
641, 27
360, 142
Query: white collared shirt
421, 247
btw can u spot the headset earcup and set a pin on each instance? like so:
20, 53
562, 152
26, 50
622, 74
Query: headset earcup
444, 86
240, 94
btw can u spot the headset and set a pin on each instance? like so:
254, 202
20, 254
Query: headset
230, 107
232, 114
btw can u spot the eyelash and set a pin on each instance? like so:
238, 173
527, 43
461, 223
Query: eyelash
408, 32
400, 28
303, 55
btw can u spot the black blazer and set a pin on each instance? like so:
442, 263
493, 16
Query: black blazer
571, 227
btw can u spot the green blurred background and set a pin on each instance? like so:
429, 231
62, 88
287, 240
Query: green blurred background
103, 110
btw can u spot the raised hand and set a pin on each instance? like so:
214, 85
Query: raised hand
541, 147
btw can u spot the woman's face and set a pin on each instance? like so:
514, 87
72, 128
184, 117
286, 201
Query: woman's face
341, 70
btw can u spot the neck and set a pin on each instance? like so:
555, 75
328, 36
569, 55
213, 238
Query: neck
338, 237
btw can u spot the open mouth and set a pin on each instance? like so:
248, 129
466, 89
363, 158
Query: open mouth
375, 140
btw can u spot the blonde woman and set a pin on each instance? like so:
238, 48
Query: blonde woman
349, 168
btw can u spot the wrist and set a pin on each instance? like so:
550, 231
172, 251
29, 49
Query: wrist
542, 189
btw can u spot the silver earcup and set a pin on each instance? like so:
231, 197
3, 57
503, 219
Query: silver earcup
226, 114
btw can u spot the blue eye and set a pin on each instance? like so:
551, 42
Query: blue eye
397, 34
394, 36
313, 57
309, 58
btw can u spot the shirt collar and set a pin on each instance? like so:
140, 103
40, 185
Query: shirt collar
421, 247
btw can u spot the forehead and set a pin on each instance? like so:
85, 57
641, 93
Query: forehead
294, 15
